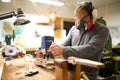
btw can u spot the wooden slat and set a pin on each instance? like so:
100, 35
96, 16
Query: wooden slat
86, 62
61, 69
1, 68
62, 72
59, 62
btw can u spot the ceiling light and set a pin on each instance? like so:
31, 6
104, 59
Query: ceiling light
52, 16
5, 0
52, 2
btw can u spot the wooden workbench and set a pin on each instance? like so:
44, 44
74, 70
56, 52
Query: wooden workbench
18, 67
16, 70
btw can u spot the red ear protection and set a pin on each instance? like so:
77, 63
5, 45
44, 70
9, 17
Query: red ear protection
88, 27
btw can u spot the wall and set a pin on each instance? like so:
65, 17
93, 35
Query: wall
113, 16
35, 11
36, 8
113, 20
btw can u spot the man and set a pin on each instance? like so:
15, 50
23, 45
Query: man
85, 40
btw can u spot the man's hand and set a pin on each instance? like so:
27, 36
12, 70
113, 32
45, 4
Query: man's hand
56, 49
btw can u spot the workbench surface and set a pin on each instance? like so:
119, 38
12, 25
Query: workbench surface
16, 71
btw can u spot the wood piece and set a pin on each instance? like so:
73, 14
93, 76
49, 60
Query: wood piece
1, 67
16, 72
86, 62
61, 69
62, 72
75, 73
46, 64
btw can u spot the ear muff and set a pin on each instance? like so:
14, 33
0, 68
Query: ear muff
94, 13
88, 5
89, 26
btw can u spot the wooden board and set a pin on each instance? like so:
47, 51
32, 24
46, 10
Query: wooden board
1, 67
49, 64
17, 69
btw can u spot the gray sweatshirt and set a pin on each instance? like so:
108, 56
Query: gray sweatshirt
87, 45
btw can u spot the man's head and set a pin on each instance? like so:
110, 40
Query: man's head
83, 14
84, 10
